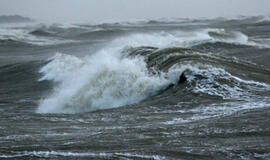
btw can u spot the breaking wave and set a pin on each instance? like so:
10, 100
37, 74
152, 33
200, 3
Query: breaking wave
98, 82
124, 73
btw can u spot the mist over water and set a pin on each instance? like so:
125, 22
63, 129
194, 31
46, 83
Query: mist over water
100, 11
114, 90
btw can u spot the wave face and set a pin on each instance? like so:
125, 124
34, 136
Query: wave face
159, 89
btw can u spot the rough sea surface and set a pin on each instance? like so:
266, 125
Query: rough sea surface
111, 91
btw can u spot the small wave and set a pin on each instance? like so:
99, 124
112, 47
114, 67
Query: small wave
100, 33
40, 32
23, 36
230, 37
12, 43
263, 19
222, 36
213, 35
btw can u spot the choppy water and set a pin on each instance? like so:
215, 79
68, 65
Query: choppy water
111, 91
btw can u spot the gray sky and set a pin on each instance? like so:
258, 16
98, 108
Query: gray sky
121, 10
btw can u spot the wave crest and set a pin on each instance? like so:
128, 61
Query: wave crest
101, 82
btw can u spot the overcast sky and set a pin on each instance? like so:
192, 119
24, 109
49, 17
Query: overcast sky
121, 10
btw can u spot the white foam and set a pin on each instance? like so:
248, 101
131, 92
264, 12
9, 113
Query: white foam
46, 154
216, 110
219, 82
263, 156
246, 98
103, 80
60, 67
130, 155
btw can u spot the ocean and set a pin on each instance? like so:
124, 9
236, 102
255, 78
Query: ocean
115, 91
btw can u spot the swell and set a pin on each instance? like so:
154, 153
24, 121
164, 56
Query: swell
102, 33
14, 73
20, 81
214, 46
41, 32
12, 43
164, 59
77, 31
